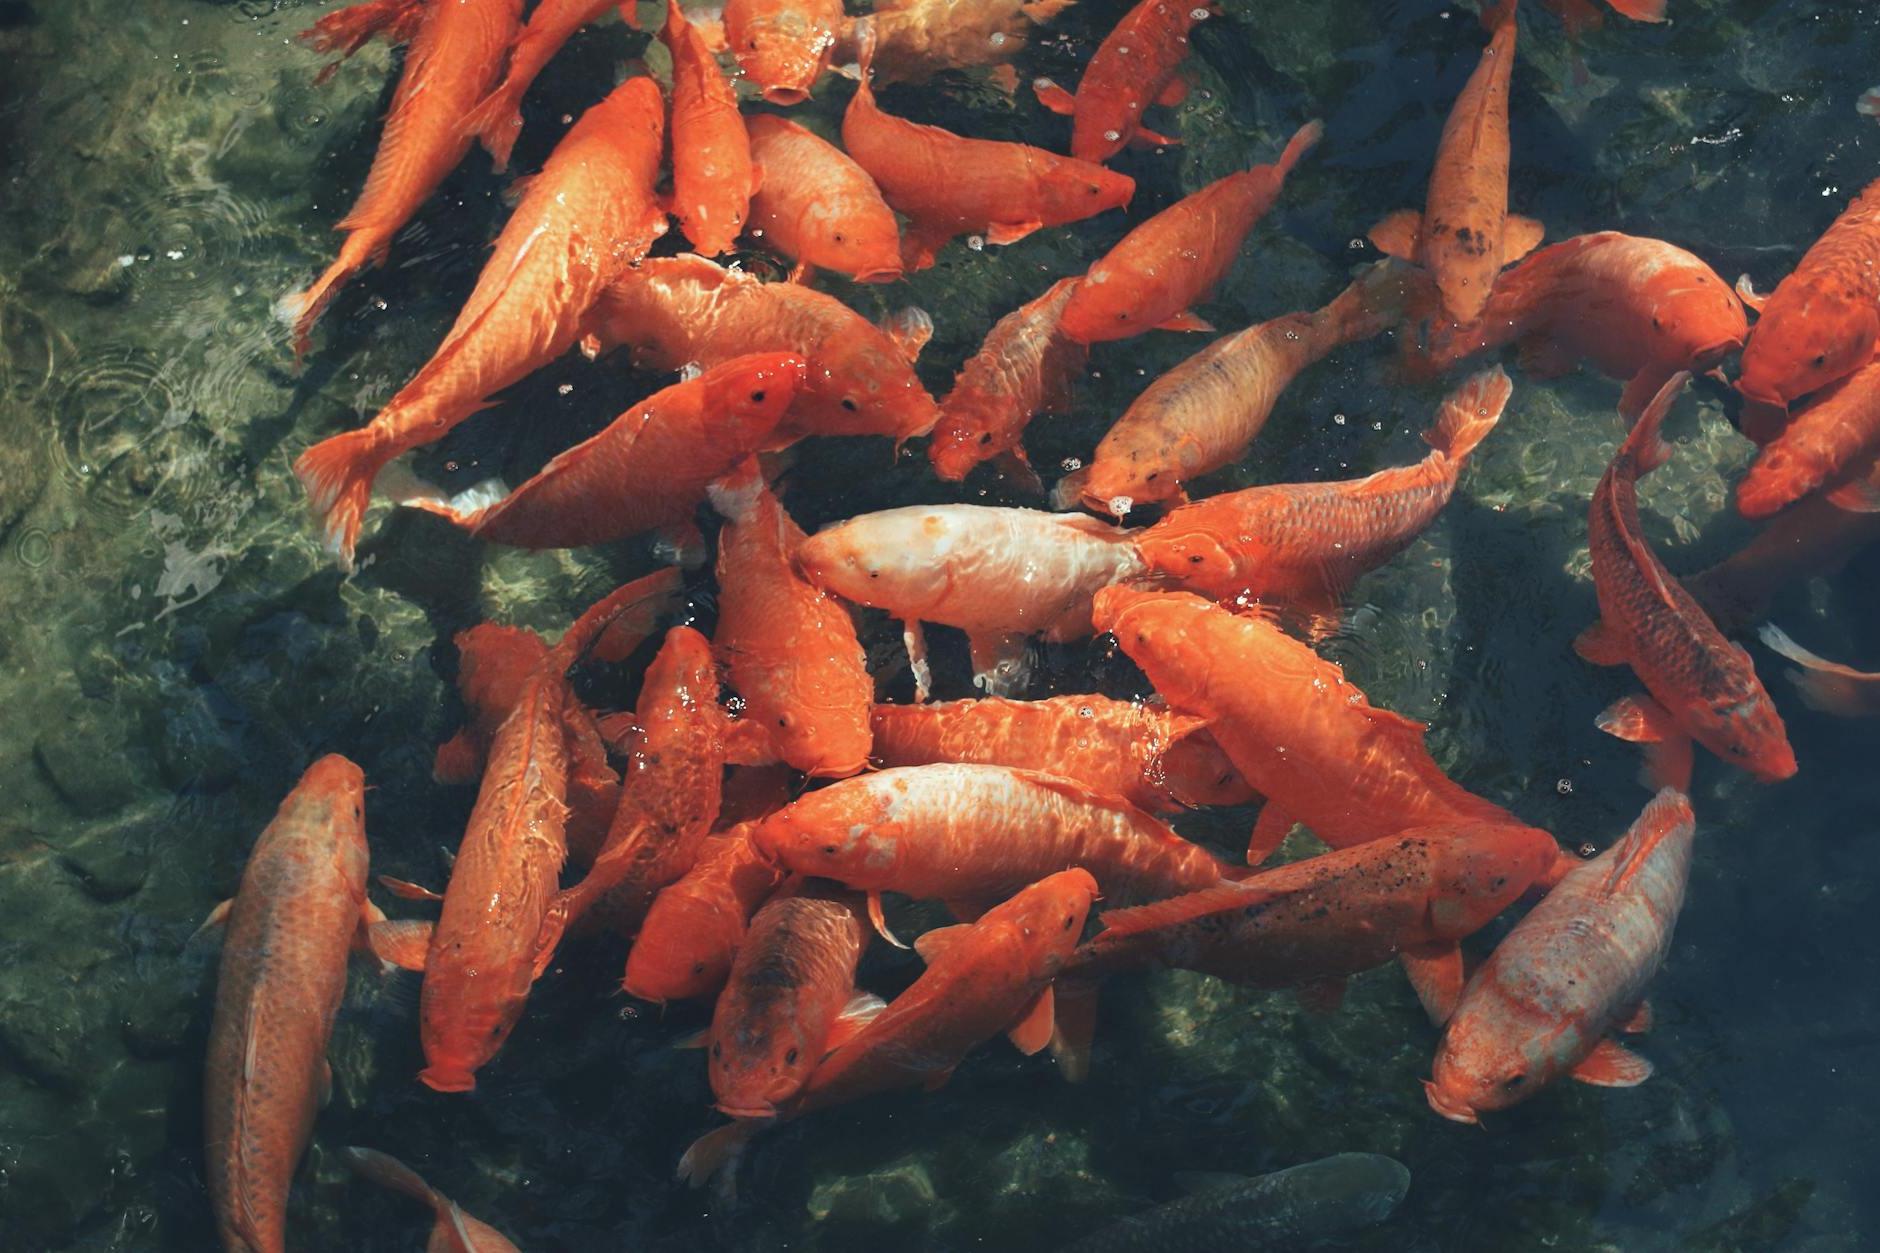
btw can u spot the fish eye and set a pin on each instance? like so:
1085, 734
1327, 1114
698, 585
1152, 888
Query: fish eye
848, 402
1122, 315
829, 850
1194, 559
838, 237
718, 1050
1153, 476
1512, 1082
1068, 920
783, 721
1093, 189
1656, 324
789, 1059
1821, 358
985, 437
698, 968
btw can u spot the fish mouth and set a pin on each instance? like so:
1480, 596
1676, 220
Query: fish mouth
1711, 354
885, 274
440, 1080
785, 95
1442, 1104
748, 1111
1760, 395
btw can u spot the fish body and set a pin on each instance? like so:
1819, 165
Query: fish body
1303, 544
793, 975
1572, 970
917, 39
1204, 413
1633, 308
948, 185
1465, 235
493, 664
1156, 760
1831, 437
301, 902
1134, 67
497, 119
714, 175
1180, 255
1291, 723
789, 648
455, 56
783, 46
1647, 620
650, 467
818, 207
693, 929
1828, 686
584, 219
456, 1231
1821, 322
676, 311
1810, 538
1025, 367
976, 833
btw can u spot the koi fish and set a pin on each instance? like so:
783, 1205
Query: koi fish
1812, 537
677, 311
1701, 686
456, 53
790, 1000
971, 833
1303, 735
1570, 972
649, 469
456, 1231
1180, 255
347, 30
1635, 309
1025, 367
1830, 437
301, 903
982, 979
1156, 760
1135, 66
790, 649
1827, 686
585, 218
1821, 322
1303, 545
948, 185
496, 120
819, 208
714, 175
1581, 16
997, 574
1465, 234
783, 46
693, 929
1204, 413
917, 39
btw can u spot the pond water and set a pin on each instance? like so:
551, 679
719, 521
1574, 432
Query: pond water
175, 647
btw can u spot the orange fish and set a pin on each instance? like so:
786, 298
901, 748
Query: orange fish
819, 208
1821, 322
969, 834
347, 30
585, 218
1827, 686
1156, 760
456, 53
1302, 734
917, 39
301, 903
789, 1001
1810, 538
1134, 67
713, 173
948, 185
998, 574
1302, 545
789, 649
693, 929
783, 46
1635, 309
1702, 686
1025, 367
497, 118
1178, 256
1571, 971
982, 978
1204, 413
1465, 234
1839, 428
649, 469
677, 311
1582, 16
456, 1231
670, 795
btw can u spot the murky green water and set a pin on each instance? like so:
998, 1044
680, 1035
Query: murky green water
174, 650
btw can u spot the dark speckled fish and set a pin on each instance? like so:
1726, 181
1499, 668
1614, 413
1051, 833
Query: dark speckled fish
1284, 1210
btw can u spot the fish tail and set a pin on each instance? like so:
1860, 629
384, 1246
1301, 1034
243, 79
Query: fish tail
1075, 1027
1499, 11
1640, 10
496, 123
347, 30
388, 1172
1825, 686
737, 494
1645, 445
302, 309
1301, 143
652, 591
714, 1152
338, 474
1469, 413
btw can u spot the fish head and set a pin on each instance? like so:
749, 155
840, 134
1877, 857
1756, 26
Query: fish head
863, 241
894, 560
1807, 337
1747, 732
1481, 869
1698, 320
1049, 916
1076, 190
862, 384
330, 799
1104, 307
1197, 772
465, 1023
493, 662
832, 741
966, 434
1130, 472
782, 51
1191, 556
766, 1059
747, 396
684, 950
1480, 1066
841, 837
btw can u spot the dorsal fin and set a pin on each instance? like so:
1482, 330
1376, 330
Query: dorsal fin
1667, 816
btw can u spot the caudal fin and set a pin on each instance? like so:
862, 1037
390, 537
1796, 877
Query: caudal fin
1645, 446
1827, 686
338, 474
1640, 10
715, 1153
388, 1172
302, 309
1301, 143
1469, 413
496, 123
347, 30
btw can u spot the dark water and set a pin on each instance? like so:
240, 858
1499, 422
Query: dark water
174, 650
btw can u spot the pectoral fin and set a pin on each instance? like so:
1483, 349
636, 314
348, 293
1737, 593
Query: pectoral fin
1399, 235
1600, 645
1054, 97
218, 917
862, 1009
408, 890
1639, 1021
1270, 830
1038, 1026
1611, 1065
1188, 320
1002, 233
931, 945
1437, 975
405, 944
1520, 236
880, 922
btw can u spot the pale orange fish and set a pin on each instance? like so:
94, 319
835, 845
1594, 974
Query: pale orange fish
818, 208
917, 39
1826, 685
497, 119
783, 46
456, 1231
692, 932
714, 174
1134, 67
1809, 538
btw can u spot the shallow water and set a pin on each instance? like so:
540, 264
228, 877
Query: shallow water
174, 649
